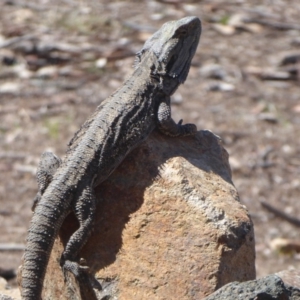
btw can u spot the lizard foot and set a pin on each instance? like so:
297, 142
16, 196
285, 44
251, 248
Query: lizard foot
187, 129
76, 269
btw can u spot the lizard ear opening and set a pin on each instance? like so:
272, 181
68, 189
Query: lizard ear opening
138, 58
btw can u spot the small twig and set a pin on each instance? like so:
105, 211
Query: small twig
265, 153
22, 168
139, 27
259, 13
12, 155
11, 247
48, 104
275, 24
280, 213
11, 41
47, 112
25, 4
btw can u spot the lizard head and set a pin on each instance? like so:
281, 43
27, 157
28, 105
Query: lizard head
174, 46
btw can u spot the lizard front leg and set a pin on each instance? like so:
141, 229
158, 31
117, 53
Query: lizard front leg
168, 126
46, 169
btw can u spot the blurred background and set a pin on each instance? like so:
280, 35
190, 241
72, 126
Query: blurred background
59, 59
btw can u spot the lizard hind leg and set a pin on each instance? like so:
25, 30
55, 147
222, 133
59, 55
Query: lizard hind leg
84, 209
46, 169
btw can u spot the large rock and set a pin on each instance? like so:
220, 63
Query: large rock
284, 285
169, 225
8, 293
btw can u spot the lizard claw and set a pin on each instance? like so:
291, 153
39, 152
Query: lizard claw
189, 129
82, 261
76, 269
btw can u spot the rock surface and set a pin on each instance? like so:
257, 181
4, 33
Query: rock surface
169, 225
284, 285
8, 293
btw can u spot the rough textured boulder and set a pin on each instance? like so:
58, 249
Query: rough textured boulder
6, 293
169, 225
5, 297
284, 285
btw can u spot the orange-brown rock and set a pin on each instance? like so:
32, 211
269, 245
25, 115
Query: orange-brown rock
169, 225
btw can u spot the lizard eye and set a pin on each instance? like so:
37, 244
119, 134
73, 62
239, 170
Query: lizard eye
181, 31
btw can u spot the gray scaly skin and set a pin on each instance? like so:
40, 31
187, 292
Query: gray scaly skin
120, 124
47, 167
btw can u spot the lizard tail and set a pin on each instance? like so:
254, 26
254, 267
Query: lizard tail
46, 221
